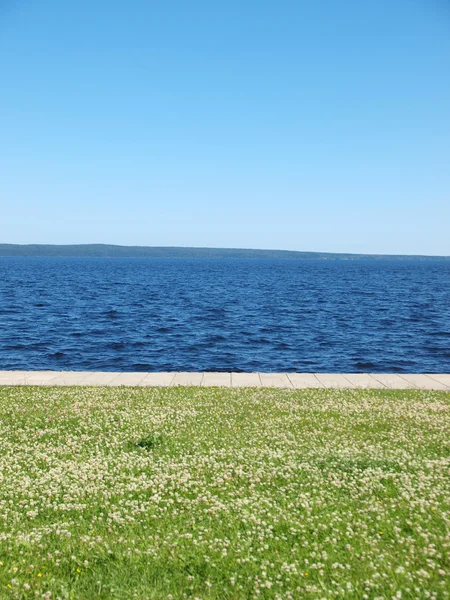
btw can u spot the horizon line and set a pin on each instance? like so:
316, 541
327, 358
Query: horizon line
224, 248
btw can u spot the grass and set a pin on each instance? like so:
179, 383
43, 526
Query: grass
215, 493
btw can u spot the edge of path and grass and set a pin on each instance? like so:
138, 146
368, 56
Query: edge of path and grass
217, 493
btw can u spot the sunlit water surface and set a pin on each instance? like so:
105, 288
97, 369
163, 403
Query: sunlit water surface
224, 315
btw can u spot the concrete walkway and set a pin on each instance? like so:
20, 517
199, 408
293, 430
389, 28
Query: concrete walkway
391, 381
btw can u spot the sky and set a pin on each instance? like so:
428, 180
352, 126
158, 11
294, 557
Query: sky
298, 125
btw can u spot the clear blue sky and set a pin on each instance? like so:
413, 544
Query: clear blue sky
296, 124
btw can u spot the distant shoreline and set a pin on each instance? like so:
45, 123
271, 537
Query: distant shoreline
115, 251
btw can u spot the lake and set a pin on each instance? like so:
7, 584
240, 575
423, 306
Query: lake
156, 314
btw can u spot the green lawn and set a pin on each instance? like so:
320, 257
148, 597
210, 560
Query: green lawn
220, 493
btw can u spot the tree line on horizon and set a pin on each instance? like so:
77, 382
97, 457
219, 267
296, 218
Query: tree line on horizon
114, 251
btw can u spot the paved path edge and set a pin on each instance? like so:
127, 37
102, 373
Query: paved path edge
424, 381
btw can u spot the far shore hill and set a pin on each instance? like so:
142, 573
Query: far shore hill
113, 251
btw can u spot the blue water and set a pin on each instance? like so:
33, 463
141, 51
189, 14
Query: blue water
223, 315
